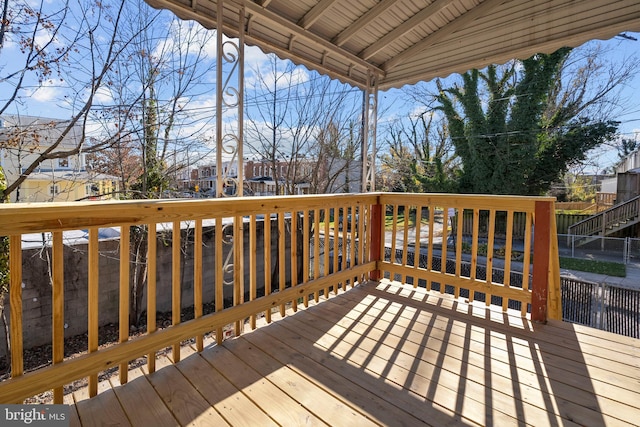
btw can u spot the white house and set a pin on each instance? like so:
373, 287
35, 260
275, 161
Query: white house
25, 139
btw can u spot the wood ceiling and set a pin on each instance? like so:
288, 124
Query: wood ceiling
406, 41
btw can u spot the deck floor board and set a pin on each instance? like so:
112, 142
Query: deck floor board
386, 354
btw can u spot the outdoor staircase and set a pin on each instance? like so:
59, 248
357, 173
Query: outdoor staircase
607, 222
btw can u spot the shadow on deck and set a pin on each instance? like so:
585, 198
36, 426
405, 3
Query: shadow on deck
383, 354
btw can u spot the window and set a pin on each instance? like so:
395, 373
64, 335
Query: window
53, 190
63, 162
92, 189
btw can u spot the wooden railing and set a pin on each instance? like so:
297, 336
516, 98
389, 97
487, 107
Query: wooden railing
489, 268
605, 199
608, 219
265, 253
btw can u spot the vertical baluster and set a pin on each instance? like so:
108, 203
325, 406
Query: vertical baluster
474, 250
252, 265
363, 232
151, 289
431, 210
176, 305
490, 245
344, 245
443, 245
459, 246
316, 249
238, 268
375, 239
267, 261
94, 258
282, 278
394, 235
416, 250
327, 218
305, 256
123, 319
197, 279
353, 237
57, 309
294, 255
507, 257
336, 237
405, 240
15, 298
526, 262
219, 274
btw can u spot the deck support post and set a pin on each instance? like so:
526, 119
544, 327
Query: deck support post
541, 248
375, 247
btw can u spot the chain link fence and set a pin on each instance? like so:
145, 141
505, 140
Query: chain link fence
624, 250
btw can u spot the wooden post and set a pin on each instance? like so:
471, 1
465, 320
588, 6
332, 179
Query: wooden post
554, 300
375, 243
541, 245
57, 309
123, 313
15, 304
604, 230
93, 303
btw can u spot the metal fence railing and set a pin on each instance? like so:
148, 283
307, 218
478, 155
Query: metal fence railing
603, 306
624, 250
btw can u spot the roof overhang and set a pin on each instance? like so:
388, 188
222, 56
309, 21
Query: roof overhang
401, 42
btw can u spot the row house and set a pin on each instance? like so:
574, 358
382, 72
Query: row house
203, 178
62, 178
282, 177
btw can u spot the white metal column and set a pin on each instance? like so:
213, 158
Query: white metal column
229, 143
369, 127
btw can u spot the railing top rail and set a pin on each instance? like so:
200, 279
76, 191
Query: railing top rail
480, 201
39, 217
23, 218
615, 208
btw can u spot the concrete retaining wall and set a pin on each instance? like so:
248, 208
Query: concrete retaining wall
37, 288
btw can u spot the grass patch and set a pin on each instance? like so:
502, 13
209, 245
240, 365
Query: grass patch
593, 266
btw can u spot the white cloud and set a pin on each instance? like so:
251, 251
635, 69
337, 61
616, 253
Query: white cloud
46, 92
103, 95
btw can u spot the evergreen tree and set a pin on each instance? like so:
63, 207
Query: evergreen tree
514, 128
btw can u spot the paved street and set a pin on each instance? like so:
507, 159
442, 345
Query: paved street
632, 280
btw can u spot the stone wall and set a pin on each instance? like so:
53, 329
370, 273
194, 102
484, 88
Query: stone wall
37, 289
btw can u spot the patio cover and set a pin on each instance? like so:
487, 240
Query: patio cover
399, 42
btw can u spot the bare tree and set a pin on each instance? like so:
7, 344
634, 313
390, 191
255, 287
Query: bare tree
303, 120
156, 103
157, 96
66, 49
420, 156
128, 81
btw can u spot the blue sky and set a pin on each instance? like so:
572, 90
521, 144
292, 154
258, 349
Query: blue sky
47, 100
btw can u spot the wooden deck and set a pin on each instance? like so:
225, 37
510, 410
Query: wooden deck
381, 354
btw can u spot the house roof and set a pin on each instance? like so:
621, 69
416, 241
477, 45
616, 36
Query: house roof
406, 41
70, 175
